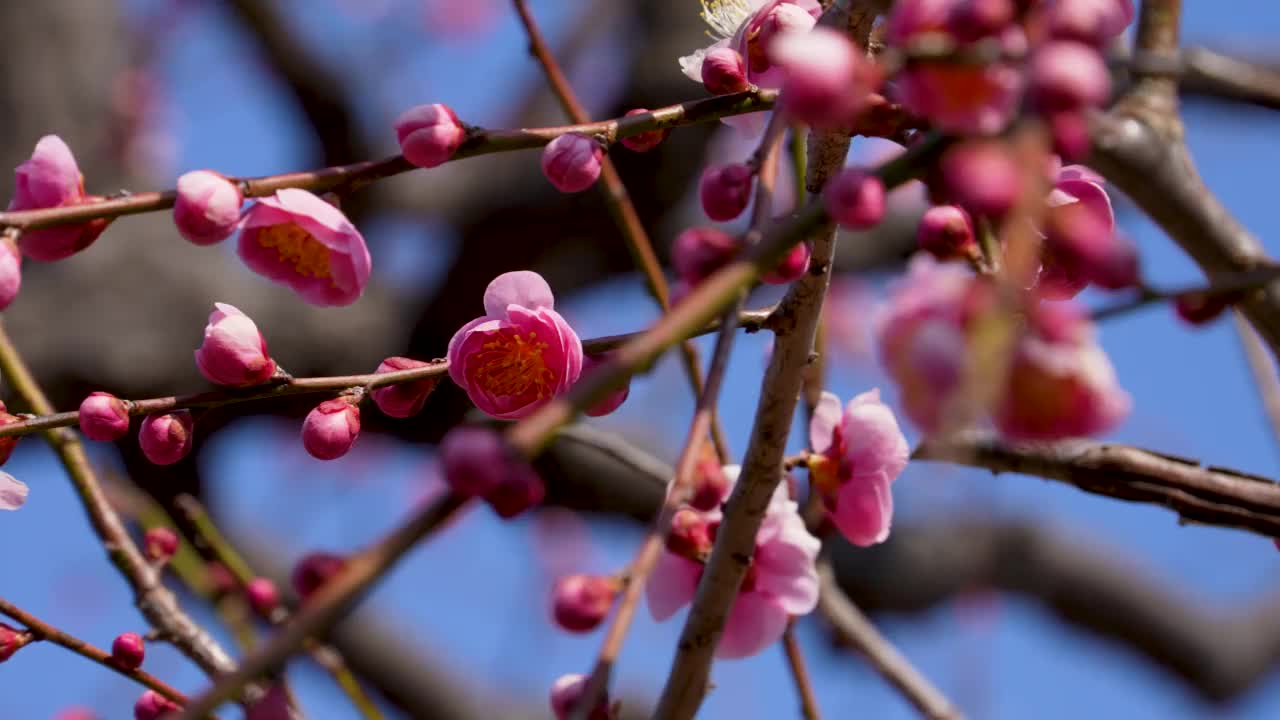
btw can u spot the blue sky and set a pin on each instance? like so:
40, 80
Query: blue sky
477, 594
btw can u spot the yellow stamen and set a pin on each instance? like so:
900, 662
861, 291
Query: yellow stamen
297, 247
511, 364
725, 16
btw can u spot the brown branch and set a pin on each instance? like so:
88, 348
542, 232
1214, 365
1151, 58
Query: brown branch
856, 630
618, 200
41, 630
1226, 288
479, 142
800, 674
1205, 495
332, 602
750, 320
1263, 368
156, 602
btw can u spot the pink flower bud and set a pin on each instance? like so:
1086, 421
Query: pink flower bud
690, 536
855, 199
981, 176
403, 400
474, 459
614, 399
971, 20
581, 602
572, 162
1198, 308
127, 650
7, 444
946, 232
313, 571
644, 142
827, 79
207, 208
51, 178
700, 251
103, 417
519, 490
723, 71
233, 353
725, 190
791, 267
263, 596
429, 134
153, 706
781, 19
566, 693
159, 544
1088, 21
10, 273
1068, 75
76, 713
331, 429
710, 485
166, 439
12, 640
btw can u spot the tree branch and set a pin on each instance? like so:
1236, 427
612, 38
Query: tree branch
1205, 495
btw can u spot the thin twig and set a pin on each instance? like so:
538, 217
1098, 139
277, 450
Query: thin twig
1227, 288
334, 599
857, 631
479, 142
750, 320
618, 200
224, 552
800, 674
42, 630
153, 599
1263, 368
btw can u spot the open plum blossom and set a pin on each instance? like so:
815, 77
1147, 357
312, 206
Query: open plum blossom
50, 179
13, 492
299, 240
1058, 383
781, 581
1081, 244
857, 454
520, 354
921, 333
745, 26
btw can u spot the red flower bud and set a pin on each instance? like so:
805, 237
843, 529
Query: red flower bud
103, 417
128, 651
581, 602
313, 571
644, 142
160, 544
724, 72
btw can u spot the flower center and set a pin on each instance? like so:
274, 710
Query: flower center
298, 248
725, 16
512, 364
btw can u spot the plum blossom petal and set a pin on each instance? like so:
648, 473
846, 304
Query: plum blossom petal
672, 585
13, 492
863, 510
755, 622
825, 420
523, 287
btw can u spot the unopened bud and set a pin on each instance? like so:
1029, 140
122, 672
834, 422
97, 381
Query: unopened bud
946, 232
103, 417
581, 602
855, 199
12, 640
690, 535
724, 72
403, 400
313, 571
791, 267
153, 706
331, 428
710, 485
646, 141
128, 650
166, 439
429, 134
572, 162
263, 596
725, 190
160, 544
207, 207
700, 251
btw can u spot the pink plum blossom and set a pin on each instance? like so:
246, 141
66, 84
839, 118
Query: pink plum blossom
855, 199
166, 439
1080, 236
739, 25
13, 492
429, 134
296, 239
967, 99
1061, 384
1066, 75
725, 190
103, 417
159, 544
700, 251
579, 603
153, 706
520, 354
827, 79
207, 208
405, 399
49, 179
572, 162
474, 459
331, 428
10, 273
128, 650
567, 691
923, 337
233, 353
791, 267
781, 581
1089, 21
724, 71
857, 454
946, 232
